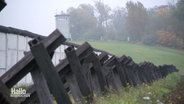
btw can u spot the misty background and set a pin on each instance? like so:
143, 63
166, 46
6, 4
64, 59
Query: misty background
158, 22
38, 15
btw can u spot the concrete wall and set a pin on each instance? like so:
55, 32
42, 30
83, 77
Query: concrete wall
12, 48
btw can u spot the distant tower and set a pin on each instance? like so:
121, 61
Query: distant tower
62, 24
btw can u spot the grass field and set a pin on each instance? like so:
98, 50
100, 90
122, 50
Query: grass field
140, 53
158, 55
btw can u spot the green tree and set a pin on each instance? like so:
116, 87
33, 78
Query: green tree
165, 28
178, 16
118, 23
158, 20
82, 22
103, 16
136, 20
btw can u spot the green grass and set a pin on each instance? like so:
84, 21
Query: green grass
158, 55
135, 95
140, 53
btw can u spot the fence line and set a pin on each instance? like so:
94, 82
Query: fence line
83, 73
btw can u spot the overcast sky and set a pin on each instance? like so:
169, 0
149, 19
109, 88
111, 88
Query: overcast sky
38, 15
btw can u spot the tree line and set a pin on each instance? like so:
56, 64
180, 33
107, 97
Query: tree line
163, 25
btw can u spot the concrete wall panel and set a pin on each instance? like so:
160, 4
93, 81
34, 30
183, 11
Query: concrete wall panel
22, 43
12, 41
2, 59
11, 58
2, 41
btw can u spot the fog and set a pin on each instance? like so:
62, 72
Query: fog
38, 15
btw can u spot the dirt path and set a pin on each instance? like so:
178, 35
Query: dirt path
177, 95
